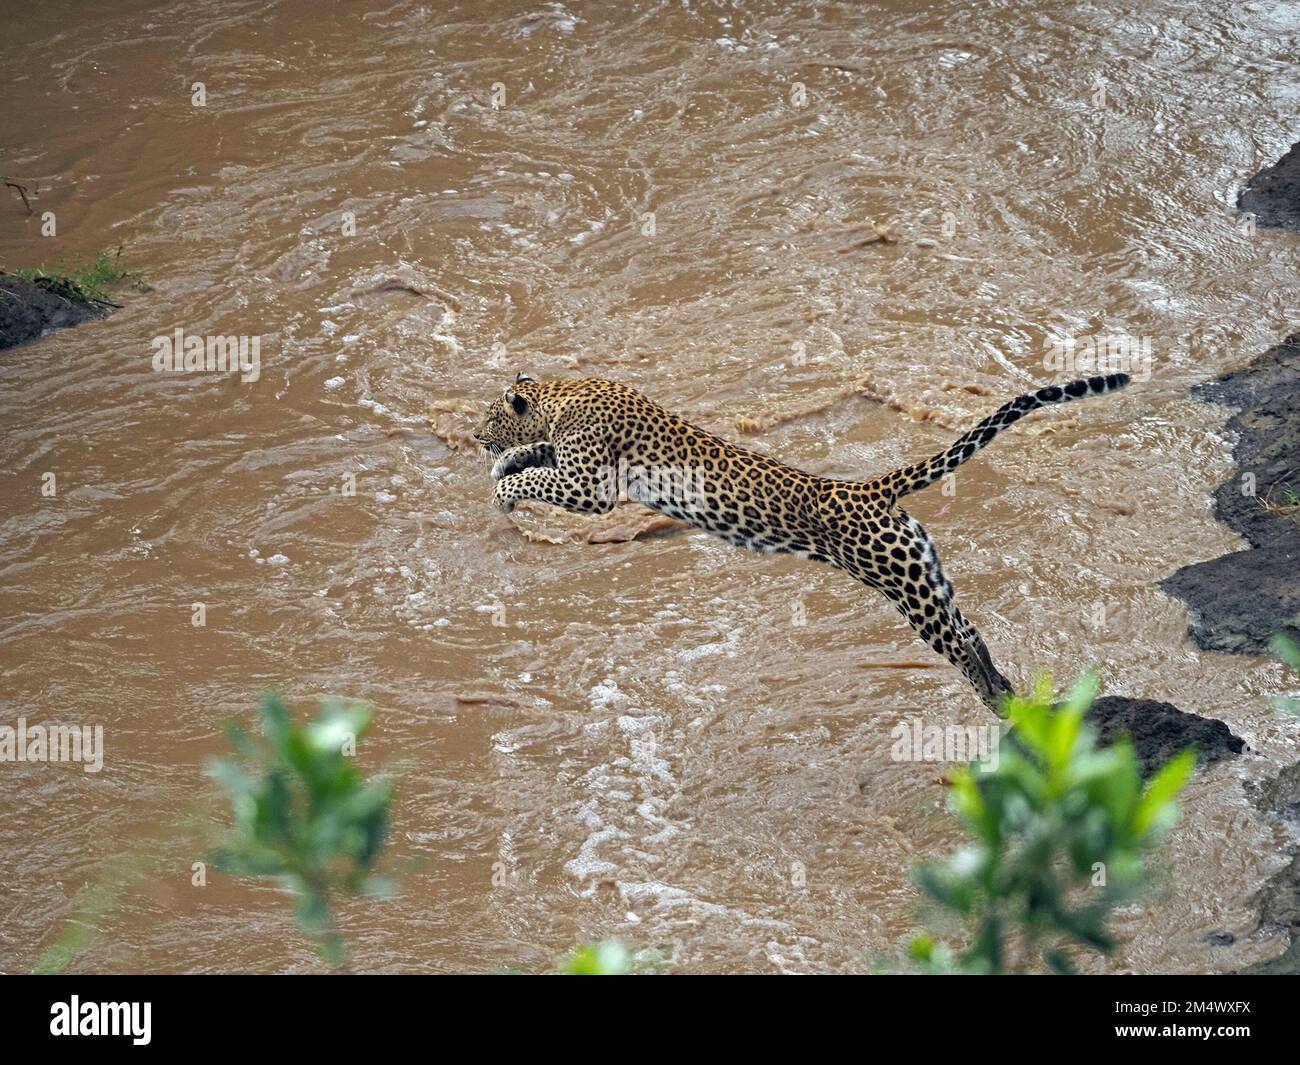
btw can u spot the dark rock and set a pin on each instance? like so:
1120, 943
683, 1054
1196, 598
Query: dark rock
1267, 447
1240, 601
30, 309
1160, 730
1279, 898
1273, 195
1220, 939
1280, 796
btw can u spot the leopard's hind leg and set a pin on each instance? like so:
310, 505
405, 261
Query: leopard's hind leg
905, 567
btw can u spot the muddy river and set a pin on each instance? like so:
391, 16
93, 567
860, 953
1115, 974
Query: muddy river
840, 233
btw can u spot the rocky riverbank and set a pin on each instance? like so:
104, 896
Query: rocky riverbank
1239, 602
1160, 730
31, 308
1279, 899
1273, 195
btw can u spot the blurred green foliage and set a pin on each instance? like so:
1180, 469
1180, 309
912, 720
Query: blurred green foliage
303, 814
1061, 829
607, 958
1289, 651
93, 907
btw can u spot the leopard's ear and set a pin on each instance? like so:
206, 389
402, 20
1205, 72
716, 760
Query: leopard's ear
521, 377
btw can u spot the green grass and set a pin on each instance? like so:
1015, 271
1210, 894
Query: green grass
88, 284
1284, 501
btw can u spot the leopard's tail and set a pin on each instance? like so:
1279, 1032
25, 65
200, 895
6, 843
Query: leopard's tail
920, 474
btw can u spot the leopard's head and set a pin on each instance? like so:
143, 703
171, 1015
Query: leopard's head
514, 418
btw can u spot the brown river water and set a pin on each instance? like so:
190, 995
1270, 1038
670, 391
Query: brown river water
663, 738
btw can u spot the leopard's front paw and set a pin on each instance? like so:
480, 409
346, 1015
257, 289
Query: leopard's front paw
521, 458
504, 501
502, 467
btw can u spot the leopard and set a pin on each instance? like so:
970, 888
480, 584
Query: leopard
584, 444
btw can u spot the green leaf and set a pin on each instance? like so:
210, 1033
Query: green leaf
313, 911
954, 891
1061, 830
965, 797
303, 813
1156, 807
609, 958
921, 948
1287, 650
234, 779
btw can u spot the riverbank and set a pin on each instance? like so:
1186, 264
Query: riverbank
1273, 195
1279, 898
1160, 730
32, 307
1238, 602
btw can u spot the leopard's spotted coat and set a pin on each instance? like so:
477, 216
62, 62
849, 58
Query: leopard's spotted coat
558, 441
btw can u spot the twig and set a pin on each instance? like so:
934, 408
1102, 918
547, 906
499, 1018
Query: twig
22, 191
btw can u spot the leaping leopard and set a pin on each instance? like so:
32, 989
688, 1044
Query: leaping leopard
562, 441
